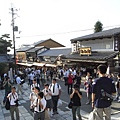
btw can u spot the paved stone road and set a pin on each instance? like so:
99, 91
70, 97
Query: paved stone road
25, 113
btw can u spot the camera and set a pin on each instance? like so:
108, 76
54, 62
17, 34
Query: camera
16, 101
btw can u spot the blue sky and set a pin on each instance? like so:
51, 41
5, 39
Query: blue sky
42, 19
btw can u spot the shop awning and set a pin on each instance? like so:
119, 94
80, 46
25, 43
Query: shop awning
25, 64
50, 65
38, 64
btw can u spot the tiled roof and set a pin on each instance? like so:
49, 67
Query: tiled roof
24, 49
5, 58
101, 56
39, 42
102, 34
56, 52
35, 49
42, 41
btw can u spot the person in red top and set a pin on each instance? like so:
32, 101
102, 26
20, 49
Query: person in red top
70, 82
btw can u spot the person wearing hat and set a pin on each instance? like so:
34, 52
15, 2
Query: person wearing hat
76, 99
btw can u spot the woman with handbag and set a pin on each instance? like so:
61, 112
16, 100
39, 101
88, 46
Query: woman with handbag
76, 99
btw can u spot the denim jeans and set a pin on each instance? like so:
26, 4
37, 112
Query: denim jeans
76, 110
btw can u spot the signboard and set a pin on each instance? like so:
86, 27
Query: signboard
85, 51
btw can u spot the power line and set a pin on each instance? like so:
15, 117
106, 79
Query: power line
67, 32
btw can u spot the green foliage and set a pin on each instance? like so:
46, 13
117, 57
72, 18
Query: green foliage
4, 43
98, 27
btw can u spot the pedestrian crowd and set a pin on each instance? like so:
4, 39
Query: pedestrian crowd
44, 102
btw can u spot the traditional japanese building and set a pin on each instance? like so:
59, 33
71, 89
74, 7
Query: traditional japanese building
30, 52
94, 49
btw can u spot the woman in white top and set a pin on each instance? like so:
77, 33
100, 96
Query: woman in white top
34, 95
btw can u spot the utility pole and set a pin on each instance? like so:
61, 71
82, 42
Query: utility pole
13, 33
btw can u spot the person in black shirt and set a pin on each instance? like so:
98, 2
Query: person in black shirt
118, 87
76, 99
78, 79
101, 87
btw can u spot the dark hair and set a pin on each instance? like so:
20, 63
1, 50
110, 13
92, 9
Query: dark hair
76, 86
54, 79
34, 79
41, 94
13, 87
46, 84
37, 88
102, 69
7, 77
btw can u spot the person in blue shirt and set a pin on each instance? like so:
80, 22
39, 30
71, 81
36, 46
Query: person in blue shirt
100, 100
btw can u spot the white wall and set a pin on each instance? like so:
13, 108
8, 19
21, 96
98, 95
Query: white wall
106, 44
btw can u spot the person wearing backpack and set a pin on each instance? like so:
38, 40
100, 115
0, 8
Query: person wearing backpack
13, 98
40, 105
56, 92
35, 84
48, 97
101, 87
7, 85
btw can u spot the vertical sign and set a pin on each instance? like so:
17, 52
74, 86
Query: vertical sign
116, 45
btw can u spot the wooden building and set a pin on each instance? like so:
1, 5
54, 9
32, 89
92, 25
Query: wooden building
94, 49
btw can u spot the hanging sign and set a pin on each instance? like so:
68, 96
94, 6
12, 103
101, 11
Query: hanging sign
85, 51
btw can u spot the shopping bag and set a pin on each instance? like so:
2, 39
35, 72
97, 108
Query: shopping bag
59, 102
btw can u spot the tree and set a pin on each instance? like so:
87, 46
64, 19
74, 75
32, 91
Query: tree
98, 27
5, 43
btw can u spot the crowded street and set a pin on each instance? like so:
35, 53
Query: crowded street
64, 112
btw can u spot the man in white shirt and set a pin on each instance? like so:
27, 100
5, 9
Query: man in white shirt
48, 97
31, 77
35, 84
13, 98
66, 74
56, 92
18, 81
40, 105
